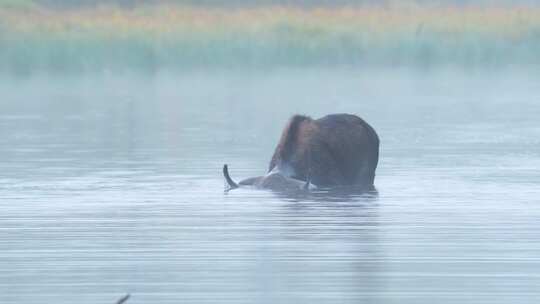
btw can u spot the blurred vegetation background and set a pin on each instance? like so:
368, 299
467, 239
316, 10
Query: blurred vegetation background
60, 36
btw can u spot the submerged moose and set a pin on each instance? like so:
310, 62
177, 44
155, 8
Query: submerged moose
338, 150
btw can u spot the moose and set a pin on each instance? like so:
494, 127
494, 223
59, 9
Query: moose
337, 150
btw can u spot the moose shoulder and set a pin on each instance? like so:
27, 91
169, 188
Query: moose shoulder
333, 151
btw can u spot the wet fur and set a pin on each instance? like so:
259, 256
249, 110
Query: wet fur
335, 150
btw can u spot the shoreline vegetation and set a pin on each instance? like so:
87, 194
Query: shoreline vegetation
172, 37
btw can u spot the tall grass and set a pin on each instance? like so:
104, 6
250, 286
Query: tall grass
172, 37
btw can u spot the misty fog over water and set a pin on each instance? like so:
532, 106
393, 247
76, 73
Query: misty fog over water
116, 118
112, 184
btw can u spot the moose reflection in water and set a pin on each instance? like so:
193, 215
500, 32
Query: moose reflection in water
335, 151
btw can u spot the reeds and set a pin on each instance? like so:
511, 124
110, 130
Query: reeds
182, 37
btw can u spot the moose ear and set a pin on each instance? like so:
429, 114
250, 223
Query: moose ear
308, 177
232, 184
306, 185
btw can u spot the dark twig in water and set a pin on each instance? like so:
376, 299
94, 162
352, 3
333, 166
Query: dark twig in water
123, 299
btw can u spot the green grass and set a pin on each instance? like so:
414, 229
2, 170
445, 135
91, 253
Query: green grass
17, 4
149, 39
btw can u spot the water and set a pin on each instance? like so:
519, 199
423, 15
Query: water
112, 185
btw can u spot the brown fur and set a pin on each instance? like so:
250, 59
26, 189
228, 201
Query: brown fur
335, 150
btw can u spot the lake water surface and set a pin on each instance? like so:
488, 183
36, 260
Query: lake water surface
112, 185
